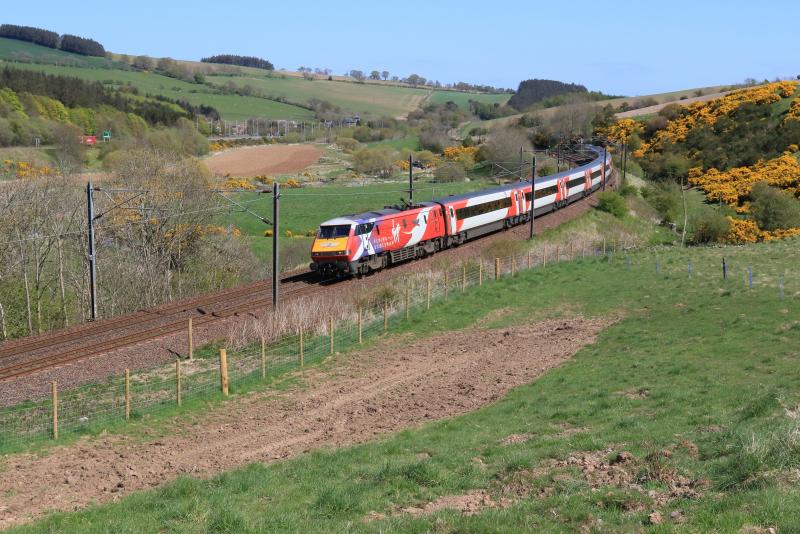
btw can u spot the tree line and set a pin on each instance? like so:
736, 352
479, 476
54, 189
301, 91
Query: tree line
242, 61
532, 91
74, 92
66, 42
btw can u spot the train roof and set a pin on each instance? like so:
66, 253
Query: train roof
374, 214
523, 183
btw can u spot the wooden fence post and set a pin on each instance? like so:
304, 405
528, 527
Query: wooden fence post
497, 268
544, 256
191, 341
428, 298
558, 254
604, 246
302, 348
408, 304
330, 331
446, 283
127, 394
385, 317
360, 326
263, 358
529, 258
571, 255
513, 265
178, 381
223, 371
463, 277
54, 395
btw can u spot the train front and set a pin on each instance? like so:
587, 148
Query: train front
333, 248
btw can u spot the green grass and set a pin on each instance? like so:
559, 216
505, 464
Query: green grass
21, 51
710, 354
302, 210
229, 106
410, 142
366, 99
462, 99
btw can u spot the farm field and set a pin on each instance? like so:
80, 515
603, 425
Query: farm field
303, 209
367, 99
264, 160
681, 414
462, 99
12, 49
229, 106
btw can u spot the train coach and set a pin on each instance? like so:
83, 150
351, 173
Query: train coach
367, 242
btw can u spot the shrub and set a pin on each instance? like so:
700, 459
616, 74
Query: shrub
709, 225
449, 171
774, 209
628, 191
613, 203
665, 199
348, 144
379, 160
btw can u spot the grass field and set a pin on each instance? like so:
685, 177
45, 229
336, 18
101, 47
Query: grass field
21, 51
229, 106
411, 142
366, 99
697, 380
462, 99
302, 210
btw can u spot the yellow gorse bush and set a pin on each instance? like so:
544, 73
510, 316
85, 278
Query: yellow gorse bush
622, 130
24, 169
707, 113
733, 186
454, 153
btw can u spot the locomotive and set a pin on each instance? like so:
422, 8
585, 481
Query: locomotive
366, 242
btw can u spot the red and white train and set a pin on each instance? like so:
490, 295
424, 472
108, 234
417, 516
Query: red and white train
365, 242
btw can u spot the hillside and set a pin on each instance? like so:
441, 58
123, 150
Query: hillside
375, 99
233, 107
679, 414
660, 99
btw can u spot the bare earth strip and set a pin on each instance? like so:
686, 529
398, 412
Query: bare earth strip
396, 384
260, 160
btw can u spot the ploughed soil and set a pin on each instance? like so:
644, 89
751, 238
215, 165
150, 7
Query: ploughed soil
396, 384
264, 160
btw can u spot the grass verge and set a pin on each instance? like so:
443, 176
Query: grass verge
698, 379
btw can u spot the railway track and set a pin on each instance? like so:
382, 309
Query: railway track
172, 327
14, 348
85, 341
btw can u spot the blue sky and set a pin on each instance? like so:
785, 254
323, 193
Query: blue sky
621, 47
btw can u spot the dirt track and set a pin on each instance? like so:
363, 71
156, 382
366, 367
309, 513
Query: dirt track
368, 394
260, 160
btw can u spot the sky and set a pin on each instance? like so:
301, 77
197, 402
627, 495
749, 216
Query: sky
623, 47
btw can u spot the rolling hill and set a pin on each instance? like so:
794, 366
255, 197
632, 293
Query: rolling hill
374, 99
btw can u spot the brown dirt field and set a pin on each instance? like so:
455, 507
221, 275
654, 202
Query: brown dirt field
396, 384
266, 159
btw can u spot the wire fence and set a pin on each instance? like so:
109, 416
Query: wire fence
131, 396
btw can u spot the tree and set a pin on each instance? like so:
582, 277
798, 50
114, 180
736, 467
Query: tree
357, 75
503, 145
415, 80
774, 209
142, 62
81, 45
374, 75
378, 161
536, 90
385, 75
30, 34
243, 61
